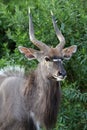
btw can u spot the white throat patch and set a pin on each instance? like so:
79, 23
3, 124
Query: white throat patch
37, 123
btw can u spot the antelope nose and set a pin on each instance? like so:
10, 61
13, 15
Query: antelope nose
63, 74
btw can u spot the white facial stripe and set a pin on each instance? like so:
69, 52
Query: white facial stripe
55, 60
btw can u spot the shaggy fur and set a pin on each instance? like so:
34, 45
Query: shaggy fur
21, 95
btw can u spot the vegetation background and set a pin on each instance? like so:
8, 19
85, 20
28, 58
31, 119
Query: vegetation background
72, 20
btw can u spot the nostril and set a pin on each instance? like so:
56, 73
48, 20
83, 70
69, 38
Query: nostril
60, 73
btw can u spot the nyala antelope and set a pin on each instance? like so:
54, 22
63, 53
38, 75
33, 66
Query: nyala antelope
31, 102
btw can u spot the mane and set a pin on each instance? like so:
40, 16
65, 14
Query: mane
10, 71
30, 82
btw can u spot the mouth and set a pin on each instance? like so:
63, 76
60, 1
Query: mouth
59, 78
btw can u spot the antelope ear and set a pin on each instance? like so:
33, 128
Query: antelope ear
68, 52
29, 53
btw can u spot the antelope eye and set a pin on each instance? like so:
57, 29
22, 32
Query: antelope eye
47, 58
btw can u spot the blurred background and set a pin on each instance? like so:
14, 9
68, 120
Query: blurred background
71, 16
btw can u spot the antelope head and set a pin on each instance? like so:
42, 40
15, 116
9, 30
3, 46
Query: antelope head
50, 58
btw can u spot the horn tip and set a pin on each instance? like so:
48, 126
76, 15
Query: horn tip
51, 12
29, 10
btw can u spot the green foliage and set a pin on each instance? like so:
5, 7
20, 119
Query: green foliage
72, 20
73, 113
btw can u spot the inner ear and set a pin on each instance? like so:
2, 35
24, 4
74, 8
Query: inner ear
68, 52
29, 53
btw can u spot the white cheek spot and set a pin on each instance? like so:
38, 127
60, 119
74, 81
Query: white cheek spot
59, 79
